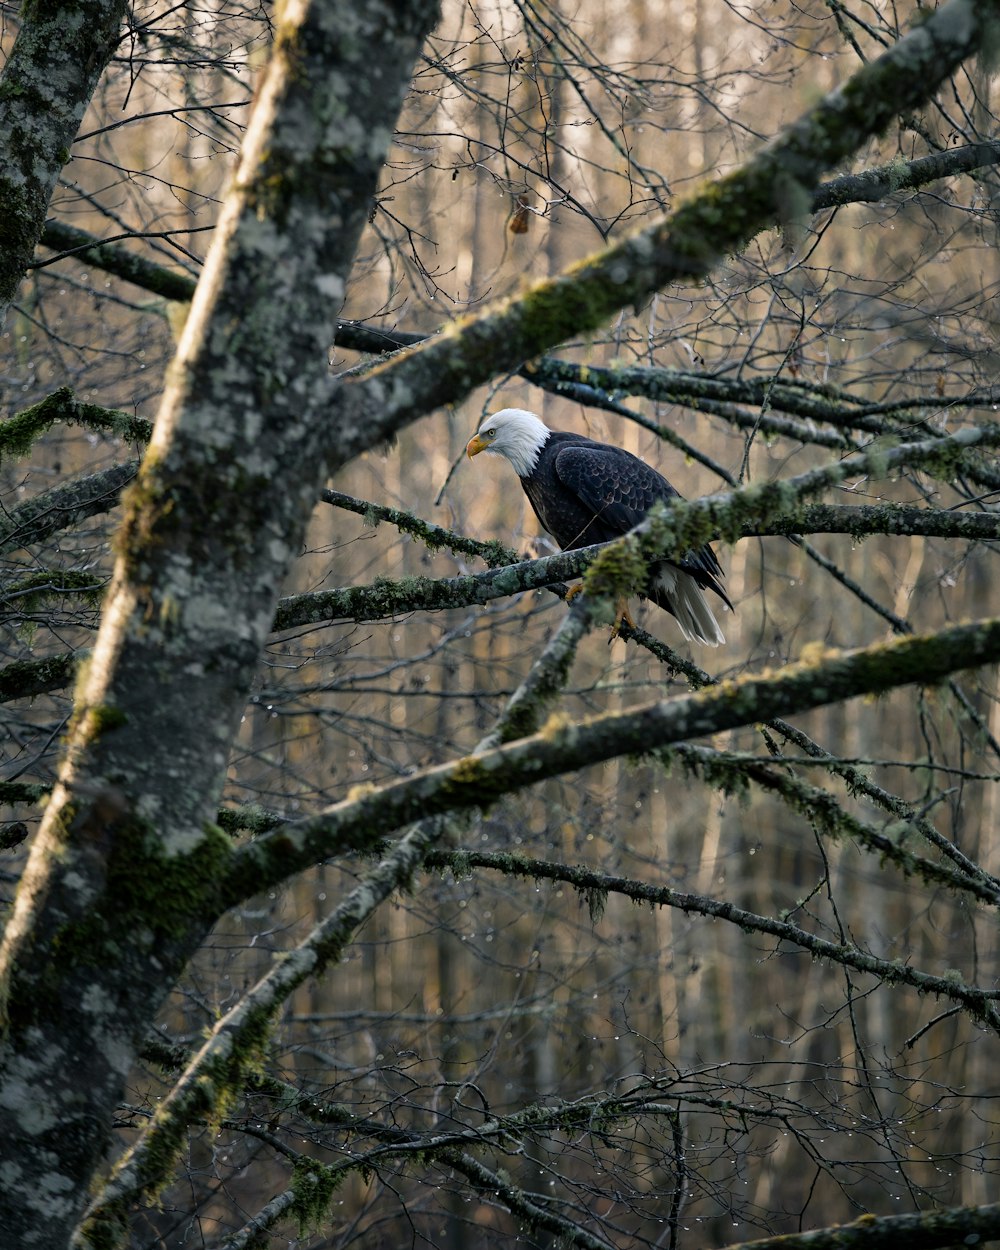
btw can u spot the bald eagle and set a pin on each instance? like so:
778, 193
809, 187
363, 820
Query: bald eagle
586, 492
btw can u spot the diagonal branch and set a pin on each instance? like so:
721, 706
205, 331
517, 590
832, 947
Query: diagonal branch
981, 1004
480, 780
53, 70
773, 187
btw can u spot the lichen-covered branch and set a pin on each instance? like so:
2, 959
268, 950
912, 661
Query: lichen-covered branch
546, 678
516, 1200
480, 780
57, 509
861, 785
432, 536
872, 185
809, 403
51, 73
385, 598
769, 508
984, 1005
774, 186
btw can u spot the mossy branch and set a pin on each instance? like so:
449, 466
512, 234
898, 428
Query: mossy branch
750, 404
546, 678
24, 679
65, 505
432, 536
12, 792
687, 525
29, 593
859, 784
19, 432
771, 508
981, 1004
385, 598
772, 187
516, 1200
480, 780
872, 185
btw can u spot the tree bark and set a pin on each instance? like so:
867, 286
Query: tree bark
54, 67
128, 870
121, 881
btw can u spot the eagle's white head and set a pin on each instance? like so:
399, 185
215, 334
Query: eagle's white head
515, 433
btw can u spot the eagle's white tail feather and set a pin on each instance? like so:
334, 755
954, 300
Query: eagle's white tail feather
686, 600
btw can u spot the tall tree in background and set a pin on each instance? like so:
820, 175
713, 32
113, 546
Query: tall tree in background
107, 961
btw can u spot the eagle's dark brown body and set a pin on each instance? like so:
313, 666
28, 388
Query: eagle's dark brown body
585, 492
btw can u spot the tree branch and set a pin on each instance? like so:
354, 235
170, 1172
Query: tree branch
53, 69
918, 1230
981, 1004
774, 186
479, 781
57, 509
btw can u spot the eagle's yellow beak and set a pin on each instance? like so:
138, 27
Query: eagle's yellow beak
475, 446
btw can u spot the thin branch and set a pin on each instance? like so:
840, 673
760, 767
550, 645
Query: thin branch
771, 187
867, 186
980, 1003
431, 535
478, 781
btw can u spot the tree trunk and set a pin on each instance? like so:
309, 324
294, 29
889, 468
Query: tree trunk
54, 67
121, 882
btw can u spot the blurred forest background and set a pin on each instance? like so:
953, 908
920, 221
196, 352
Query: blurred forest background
769, 1090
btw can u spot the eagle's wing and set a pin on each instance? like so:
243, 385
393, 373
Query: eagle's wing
620, 489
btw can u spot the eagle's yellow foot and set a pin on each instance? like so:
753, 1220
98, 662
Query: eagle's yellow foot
622, 616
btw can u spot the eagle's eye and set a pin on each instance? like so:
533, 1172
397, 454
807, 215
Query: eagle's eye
491, 433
